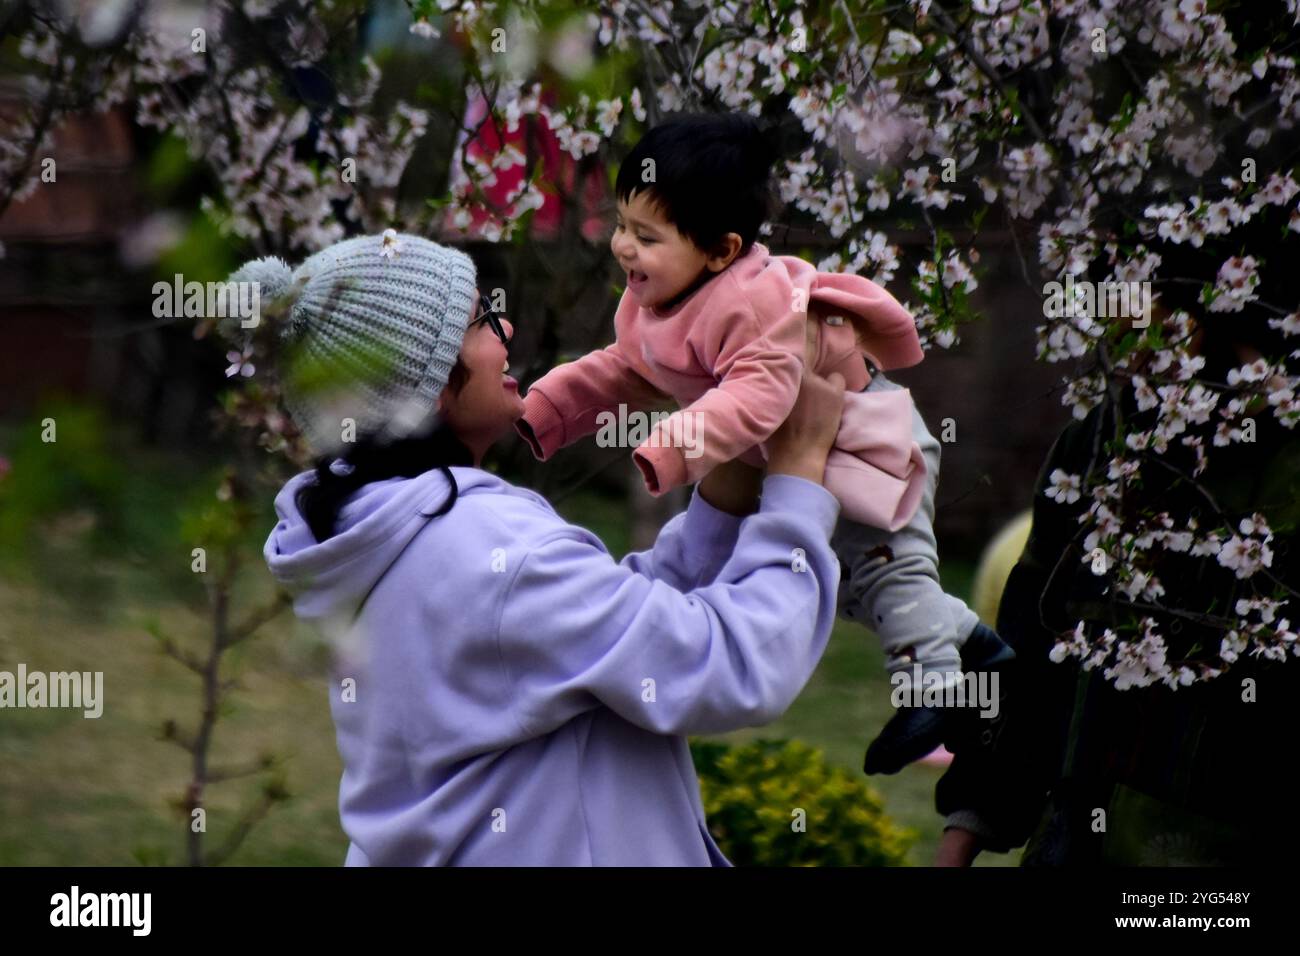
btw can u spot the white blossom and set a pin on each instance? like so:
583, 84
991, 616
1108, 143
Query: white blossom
423, 28
390, 245
1064, 488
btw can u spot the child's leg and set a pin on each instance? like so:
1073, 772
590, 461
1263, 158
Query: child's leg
891, 583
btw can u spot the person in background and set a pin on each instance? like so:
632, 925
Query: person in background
1088, 774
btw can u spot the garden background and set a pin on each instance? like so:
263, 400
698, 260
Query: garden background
160, 450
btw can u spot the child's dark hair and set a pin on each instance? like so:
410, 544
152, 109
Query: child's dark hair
372, 460
712, 175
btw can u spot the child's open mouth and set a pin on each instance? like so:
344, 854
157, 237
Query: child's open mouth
635, 279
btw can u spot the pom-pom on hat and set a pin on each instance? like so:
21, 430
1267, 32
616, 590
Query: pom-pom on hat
371, 328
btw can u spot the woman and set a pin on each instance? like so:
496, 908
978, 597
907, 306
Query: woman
509, 694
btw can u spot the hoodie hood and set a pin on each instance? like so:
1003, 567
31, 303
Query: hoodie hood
330, 580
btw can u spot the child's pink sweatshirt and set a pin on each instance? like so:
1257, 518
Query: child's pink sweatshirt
732, 355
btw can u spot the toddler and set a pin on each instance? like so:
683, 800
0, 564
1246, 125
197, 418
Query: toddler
715, 322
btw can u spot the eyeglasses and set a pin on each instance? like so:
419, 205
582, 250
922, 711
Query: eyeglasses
489, 315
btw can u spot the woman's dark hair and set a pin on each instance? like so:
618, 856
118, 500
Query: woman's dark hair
371, 460
712, 175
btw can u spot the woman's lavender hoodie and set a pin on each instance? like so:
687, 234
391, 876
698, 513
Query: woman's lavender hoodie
522, 698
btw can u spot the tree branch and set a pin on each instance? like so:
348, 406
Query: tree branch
256, 619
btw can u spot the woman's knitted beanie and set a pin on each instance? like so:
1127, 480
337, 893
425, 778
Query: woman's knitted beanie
372, 328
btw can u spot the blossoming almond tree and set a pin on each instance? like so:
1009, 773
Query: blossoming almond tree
1147, 142
1099, 128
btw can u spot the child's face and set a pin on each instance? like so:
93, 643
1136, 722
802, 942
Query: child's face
659, 261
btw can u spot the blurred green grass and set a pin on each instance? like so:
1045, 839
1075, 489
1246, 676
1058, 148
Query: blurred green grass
97, 792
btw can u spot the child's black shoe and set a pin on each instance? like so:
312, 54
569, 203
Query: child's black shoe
985, 651
909, 735
915, 731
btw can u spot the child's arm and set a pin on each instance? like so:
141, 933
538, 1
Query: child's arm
760, 367
562, 406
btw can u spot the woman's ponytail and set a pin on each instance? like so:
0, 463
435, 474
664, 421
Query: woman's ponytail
338, 478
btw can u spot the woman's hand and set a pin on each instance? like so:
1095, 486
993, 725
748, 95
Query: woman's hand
957, 847
800, 446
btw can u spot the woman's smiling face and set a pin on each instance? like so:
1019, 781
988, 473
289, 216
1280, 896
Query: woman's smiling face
488, 402
659, 261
